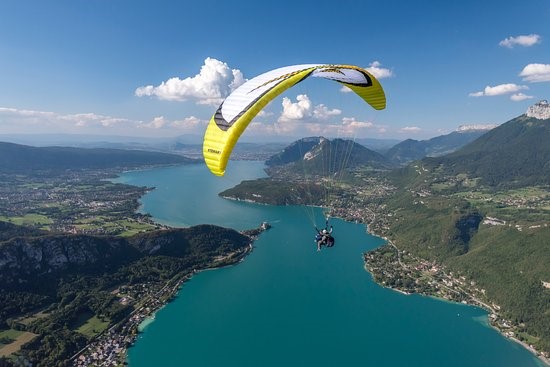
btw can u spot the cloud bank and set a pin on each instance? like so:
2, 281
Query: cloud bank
23, 121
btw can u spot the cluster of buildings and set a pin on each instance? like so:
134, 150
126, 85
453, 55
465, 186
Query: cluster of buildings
109, 348
109, 351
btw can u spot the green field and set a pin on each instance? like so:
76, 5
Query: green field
526, 206
92, 327
529, 339
121, 227
108, 225
29, 219
9, 334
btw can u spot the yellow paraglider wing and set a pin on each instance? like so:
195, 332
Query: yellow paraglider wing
241, 106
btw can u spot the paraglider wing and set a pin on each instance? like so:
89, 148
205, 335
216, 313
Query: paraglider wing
243, 104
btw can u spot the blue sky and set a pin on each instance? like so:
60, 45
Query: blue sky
160, 68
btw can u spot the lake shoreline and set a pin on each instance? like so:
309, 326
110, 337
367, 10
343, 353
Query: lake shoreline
495, 320
139, 355
121, 337
445, 280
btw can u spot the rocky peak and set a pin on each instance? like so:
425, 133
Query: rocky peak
540, 110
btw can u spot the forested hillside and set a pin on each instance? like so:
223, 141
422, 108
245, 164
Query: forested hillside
514, 154
53, 285
411, 150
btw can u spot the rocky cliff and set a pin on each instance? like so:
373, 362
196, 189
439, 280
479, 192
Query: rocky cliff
32, 258
540, 110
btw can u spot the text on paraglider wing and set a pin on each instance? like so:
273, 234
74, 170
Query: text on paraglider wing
210, 150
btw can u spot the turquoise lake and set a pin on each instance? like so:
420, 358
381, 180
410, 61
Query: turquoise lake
287, 304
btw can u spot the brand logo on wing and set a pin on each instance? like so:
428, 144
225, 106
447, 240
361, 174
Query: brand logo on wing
210, 150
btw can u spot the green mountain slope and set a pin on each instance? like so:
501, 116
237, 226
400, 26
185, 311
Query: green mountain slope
511, 265
514, 154
483, 211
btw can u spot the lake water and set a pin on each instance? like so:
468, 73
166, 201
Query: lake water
287, 304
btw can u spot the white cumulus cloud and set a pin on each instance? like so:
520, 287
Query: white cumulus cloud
498, 90
190, 123
350, 127
525, 41
298, 110
378, 71
519, 97
157, 123
536, 73
347, 127
322, 112
304, 110
410, 129
303, 118
352, 123
213, 83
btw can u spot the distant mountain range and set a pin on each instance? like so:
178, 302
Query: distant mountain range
242, 151
24, 158
381, 153
324, 155
516, 153
510, 152
378, 145
99, 141
411, 150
